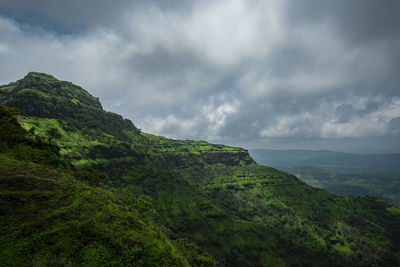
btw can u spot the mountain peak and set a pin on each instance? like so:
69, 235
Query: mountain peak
39, 75
43, 95
37, 79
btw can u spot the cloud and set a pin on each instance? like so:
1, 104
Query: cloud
218, 112
207, 124
243, 72
393, 127
353, 117
360, 21
74, 16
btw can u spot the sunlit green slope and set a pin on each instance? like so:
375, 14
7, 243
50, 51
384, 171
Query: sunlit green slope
215, 196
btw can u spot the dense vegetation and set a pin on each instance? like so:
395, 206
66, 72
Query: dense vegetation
53, 215
159, 201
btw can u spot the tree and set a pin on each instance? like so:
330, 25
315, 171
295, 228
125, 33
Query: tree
10, 131
52, 134
8, 112
32, 131
192, 253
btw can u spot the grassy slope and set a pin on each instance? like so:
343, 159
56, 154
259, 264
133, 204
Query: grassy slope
50, 218
219, 198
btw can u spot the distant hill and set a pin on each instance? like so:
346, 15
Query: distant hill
80, 186
328, 160
376, 175
385, 186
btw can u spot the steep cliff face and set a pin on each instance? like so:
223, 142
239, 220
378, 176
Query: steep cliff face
215, 196
181, 154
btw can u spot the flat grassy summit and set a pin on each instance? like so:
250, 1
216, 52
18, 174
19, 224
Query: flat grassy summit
116, 196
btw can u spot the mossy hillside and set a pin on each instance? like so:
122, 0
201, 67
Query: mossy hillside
52, 215
101, 150
74, 145
185, 210
45, 89
233, 191
50, 218
264, 198
242, 213
16, 143
308, 217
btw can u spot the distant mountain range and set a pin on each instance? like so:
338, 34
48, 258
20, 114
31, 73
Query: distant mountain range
385, 186
328, 160
376, 175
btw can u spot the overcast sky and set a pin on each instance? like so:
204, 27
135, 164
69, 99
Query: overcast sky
283, 74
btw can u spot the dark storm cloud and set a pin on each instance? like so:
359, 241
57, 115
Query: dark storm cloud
394, 126
76, 15
345, 113
357, 20
251, 73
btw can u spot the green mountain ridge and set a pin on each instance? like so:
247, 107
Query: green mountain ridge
213, 204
